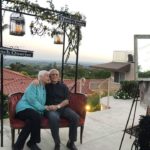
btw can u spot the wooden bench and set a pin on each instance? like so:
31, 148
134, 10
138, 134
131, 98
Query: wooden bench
77, 103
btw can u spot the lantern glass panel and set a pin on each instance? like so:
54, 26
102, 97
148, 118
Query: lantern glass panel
17, 24
58, 37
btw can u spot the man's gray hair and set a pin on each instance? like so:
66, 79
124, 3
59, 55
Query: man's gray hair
41, 74
53, 70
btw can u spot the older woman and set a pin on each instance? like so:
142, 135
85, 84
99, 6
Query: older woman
29, 109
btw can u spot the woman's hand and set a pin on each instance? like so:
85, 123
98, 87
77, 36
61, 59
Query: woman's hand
36, 82
46, 107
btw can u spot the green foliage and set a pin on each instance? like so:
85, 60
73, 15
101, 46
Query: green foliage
24, 73
101, 74
128, 90
145, 74
122, 95
85, 72
28, 69
69, 70
5, 104
93, 102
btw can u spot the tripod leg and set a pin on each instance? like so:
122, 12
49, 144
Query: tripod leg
134, 99
134, 117
127, 124
148, 111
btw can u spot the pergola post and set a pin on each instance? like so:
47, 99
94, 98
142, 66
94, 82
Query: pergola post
63, 53
1, 70
77, 58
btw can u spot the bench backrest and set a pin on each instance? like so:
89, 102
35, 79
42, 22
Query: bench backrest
77, 102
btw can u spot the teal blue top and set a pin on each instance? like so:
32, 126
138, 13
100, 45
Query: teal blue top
34, 98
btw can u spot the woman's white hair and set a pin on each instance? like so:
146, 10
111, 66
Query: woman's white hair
53, 70
41, 74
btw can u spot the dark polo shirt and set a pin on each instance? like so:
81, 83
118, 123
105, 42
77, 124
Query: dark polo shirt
56, 93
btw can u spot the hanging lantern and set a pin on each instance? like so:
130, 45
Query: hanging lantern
17, 24
58, 37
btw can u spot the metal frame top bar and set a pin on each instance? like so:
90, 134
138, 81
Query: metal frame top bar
44, 9
141, 36
60, 13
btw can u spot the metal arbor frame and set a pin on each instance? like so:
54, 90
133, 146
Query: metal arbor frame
65, 20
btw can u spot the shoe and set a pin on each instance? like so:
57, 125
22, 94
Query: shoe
33, 146
71, 145
57, 147
16, 148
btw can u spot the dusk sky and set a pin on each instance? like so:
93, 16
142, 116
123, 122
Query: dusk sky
111, 25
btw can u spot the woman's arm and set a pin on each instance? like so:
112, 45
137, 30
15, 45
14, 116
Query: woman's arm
31, 96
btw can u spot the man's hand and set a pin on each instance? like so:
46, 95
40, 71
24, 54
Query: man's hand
52, 107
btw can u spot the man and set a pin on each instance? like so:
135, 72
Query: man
57, 100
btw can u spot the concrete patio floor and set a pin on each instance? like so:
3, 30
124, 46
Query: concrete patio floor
103, 129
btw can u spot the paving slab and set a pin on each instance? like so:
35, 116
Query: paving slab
103, 129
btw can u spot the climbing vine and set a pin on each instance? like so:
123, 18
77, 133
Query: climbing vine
46, 16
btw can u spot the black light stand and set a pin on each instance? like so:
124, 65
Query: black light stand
134, 104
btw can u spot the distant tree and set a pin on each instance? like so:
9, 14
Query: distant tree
69, 70
17, 66
25, 73
145, 74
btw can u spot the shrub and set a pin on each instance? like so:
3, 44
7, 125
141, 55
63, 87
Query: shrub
5, 108
93, 102
122, 95
128, 90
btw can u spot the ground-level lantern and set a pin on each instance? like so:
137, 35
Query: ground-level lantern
17, 24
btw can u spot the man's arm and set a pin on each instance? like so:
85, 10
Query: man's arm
58, 106
66, 95
63, 104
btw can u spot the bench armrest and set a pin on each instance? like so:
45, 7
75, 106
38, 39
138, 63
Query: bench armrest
77, 102
12, 101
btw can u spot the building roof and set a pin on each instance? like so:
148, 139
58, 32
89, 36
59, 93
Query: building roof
14, 81
17, 82
114, 66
